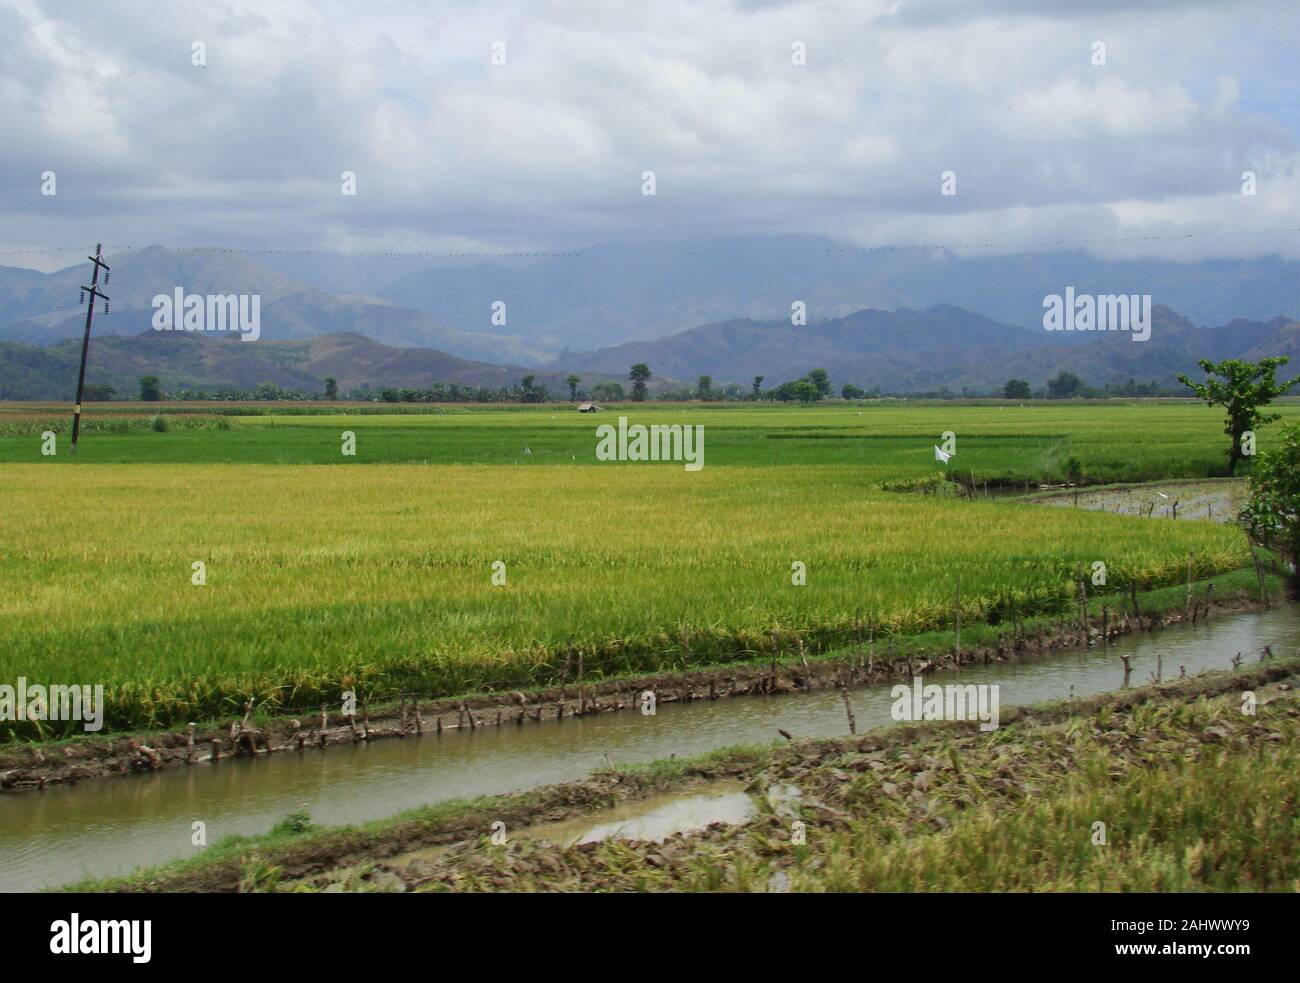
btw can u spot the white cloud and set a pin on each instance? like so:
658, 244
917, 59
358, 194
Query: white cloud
548, 150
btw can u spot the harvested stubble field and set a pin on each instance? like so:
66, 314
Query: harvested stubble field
374, 572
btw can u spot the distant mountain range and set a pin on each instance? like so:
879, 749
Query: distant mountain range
893, 351
895, 320
606, 295
920, 351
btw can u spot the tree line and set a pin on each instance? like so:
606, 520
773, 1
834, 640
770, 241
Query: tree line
813, 387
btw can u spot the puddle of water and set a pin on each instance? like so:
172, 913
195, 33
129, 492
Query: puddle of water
110, 826
654, 819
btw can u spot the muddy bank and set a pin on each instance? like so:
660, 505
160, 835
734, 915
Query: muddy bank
920, 778
38, 766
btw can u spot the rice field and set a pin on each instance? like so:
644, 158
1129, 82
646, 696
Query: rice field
377, 572
1113, 441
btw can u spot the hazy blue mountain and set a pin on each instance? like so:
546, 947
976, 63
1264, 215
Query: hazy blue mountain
41, 308
368, 274
621, 292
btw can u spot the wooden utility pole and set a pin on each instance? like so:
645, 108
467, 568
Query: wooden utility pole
94, 292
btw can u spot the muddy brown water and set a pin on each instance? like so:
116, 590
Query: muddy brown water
107, 827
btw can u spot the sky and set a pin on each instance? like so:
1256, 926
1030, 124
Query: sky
452, 153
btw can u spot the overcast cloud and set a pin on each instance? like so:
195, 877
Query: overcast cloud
547, 151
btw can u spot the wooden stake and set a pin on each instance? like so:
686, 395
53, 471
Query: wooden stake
1083, 610
848, 710
958, 612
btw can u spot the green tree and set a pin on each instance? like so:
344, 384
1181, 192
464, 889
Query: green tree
150, 389
331, 388
758, 387
573, 381
1064, 385
608, 392
1016, 389
806, 392
1246, 388
850, 391
1272, 514
704, 387
533, 393
821, 382
639, 375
